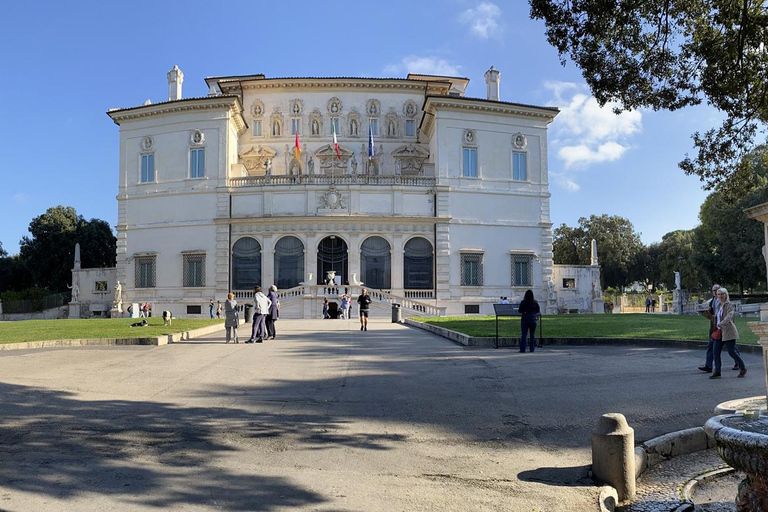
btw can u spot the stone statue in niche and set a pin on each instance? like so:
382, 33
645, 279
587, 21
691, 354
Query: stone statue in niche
311, 166
295, 168
353, 127
354, 164
268, 167
391, 129
315, 127
275, 129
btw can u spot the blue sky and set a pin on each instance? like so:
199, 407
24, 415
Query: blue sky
64, 64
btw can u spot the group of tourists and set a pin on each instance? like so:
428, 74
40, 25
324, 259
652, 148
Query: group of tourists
345, 307
722, 333
266, 311
218, 307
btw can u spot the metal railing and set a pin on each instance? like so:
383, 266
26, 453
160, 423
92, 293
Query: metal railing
330, 179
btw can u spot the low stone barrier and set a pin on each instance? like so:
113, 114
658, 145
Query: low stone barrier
152, 340
476, 341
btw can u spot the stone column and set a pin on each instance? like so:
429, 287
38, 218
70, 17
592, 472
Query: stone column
613, 454
268, 276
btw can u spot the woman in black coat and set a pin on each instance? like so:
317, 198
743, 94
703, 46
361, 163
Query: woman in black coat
529, 316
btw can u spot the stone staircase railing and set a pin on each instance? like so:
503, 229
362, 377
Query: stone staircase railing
382, 297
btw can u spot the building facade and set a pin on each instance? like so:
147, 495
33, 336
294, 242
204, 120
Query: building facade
432, 199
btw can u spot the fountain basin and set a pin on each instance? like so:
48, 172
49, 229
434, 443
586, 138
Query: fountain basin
742, 442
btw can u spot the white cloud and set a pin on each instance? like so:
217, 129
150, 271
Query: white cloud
584, 133
20, 197
565, 182
423, 65
483, 20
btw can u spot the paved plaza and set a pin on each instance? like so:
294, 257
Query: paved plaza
328, 418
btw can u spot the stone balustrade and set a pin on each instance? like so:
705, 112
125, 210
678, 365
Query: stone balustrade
331, 179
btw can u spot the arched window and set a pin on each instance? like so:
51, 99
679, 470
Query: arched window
418, 264
376, 263
246, 264
289, 262
332, 254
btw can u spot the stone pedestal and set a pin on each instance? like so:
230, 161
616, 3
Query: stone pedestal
678, 301
74, 310
598, 306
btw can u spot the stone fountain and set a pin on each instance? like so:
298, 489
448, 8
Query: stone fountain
742, 438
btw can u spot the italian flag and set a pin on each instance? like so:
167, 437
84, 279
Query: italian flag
296, 147
335, 142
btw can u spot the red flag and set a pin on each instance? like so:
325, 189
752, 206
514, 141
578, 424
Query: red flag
297, 148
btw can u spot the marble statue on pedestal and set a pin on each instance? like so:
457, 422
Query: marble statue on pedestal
677, 280
75, 292
118, 295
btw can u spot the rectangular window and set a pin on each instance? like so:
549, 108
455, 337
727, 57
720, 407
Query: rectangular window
145, 271
469, 169
471, 270
410, 128
471, 309
194, 271
334, 125
569, 282
148, 168
522, 270
197, 163
257, 128
375, 126
295, 126
519, 171
101, 286
194, 310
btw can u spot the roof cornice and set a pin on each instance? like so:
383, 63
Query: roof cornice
759, 212
433, 103
226, 102
421, 86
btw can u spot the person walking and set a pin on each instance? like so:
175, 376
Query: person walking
231, 317
726, 334
274, 312
326, 314
218, 309
364, 302
210, 308
713, 306
261, 306
648, 304
529, 316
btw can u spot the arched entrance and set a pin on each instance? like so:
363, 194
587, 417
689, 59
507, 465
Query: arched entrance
418, 264
376, 263
332, 254
246, 264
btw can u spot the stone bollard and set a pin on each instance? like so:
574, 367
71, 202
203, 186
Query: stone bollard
613, 454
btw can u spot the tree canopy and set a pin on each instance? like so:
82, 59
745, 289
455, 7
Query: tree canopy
49, 253
618, 247
668, 55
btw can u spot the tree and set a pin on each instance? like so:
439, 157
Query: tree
728, 243
49, 252
669, 55
3, 252
618, 247
676, 254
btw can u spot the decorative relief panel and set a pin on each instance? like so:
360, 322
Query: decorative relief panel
373, 108
255, 159
410, 109
332, 200
469, 137
519, 140
257, 108
296, 107
334, 106
197, 138
146, 143
410, 159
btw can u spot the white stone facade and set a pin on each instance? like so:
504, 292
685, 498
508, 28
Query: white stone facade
224, 169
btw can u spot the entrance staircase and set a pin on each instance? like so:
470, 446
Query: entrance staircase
306, 301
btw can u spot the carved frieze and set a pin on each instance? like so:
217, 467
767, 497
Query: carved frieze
255, 159
410, 159
332, 200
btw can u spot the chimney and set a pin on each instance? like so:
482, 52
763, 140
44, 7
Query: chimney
492, 77
175, 78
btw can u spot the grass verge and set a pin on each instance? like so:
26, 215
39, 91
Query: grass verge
44, 330
648, 326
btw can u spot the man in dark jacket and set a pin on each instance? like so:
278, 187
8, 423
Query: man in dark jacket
364, 301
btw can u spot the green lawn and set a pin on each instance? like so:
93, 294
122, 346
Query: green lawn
42, 330
666, 327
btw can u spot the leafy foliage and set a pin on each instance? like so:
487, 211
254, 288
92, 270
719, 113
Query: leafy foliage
618, 247
49, 253
668, 55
